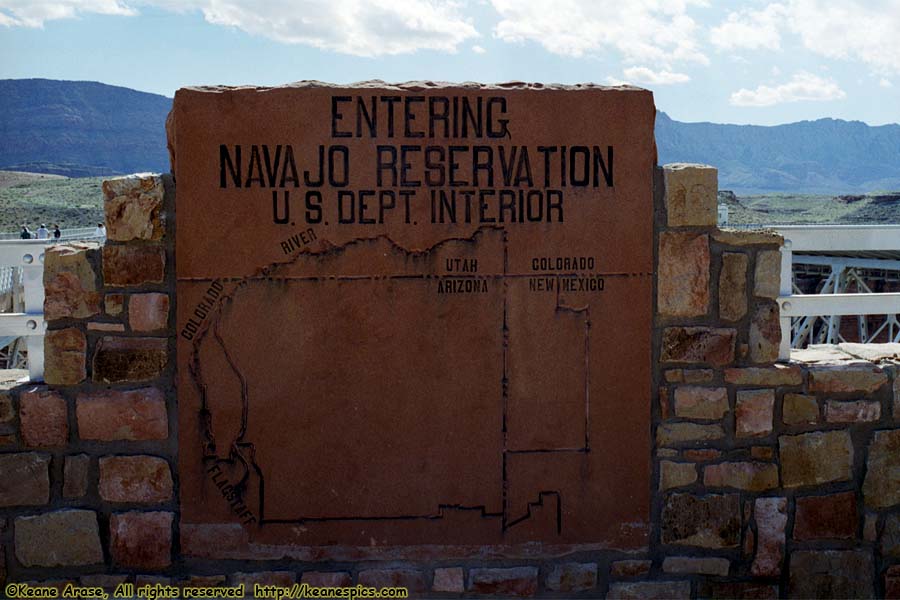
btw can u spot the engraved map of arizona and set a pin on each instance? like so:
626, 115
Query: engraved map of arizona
398, 339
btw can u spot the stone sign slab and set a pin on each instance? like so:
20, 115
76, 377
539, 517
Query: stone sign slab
415, 315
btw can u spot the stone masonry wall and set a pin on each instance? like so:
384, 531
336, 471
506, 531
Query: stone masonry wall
769, 479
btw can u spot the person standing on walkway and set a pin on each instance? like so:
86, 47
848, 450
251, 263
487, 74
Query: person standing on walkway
43, 233
56, 232
25, 235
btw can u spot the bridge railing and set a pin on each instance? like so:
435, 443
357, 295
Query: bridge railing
846, 240
27, 255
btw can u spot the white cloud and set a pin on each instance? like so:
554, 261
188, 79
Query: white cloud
803, 86
885, 82
358, 27
850, 29
644, 75
478, 50
657, 32
857, 30
750, 29
33, 13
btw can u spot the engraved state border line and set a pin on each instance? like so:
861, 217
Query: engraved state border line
239, 279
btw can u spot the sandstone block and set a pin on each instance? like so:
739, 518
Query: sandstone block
892, 583
276, 578
698, 375
754, 413
63, 538
571, 577
212, 540
765, 333
630, 568
75, 475
64, 357
515, 581
762, 452
43, 418
693, 402
881, 488
702, 454
134, 207
148, 312
698, 345
668, 434
451, 580
25, 479
337, 579
890, 536
145, 479
733, 286
826, 517
775, 375
691, 195
767, 278
750, 476
113, 304
771, 521
815, 458
862, 378
799, 409
737, 590
688, 565
711, 521
896, 403
650, 590
411, 579
852, 411
133, 265
106, 327
127, 359
747, 237
109, 415
7, 410
675, 474
70, 283
831, 574
683, 278
141, 540
101, 580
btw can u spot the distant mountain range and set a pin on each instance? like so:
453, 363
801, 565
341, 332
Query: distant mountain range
80, 128
827, 156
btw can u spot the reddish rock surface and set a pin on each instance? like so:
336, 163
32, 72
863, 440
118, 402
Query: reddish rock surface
571, 577
127, 359
516, 581
683, 274
826, 517
110, 415
148, 312
771, 521
754, 412
64, 357
138, 479
141, 540
43, 418
411, 579
25, 480
698, 345
131, 265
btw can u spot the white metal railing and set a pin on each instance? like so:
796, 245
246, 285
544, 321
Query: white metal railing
837, 239
29, 256
77, 233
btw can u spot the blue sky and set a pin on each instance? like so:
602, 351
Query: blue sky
756, 62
